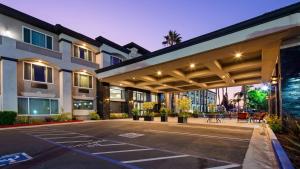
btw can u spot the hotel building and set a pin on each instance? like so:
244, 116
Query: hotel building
48, 69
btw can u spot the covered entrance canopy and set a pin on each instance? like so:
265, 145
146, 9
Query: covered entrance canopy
245, 53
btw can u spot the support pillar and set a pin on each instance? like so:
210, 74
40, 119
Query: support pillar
103, 99
65, 90
129, 101
9, 100
160, 100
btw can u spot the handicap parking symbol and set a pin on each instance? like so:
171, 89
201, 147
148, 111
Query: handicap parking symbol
13, 158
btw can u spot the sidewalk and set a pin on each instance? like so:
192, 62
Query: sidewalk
203, 121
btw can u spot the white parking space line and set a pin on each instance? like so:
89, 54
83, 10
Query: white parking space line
122, 151
55, 134
76, 141
37, 131
47, 132
113, 144
50, 138
199, 135
154, 159
225, 166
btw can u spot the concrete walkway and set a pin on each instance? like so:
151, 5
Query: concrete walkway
203, 121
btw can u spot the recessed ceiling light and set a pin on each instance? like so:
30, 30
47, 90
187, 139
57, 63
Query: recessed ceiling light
238, 54
165, 85
133, 78
121, 84
191, 81
158, 73
192, 65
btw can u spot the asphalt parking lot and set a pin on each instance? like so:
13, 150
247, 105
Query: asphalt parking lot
121, 144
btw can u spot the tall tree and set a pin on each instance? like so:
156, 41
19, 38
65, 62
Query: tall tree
238, 96
172, 38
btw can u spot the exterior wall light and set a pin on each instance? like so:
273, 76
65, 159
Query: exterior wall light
238, 55
274, 80
159, 73
192, 65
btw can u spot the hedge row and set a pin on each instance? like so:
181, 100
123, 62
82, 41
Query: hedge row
7, 117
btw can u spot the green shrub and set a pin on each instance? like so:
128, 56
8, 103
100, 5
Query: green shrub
7, 117
184, 114
36, 121
196, 112
118, 116
94, 116
164, 111
274, 123
23, 119
65, 116
149, 114
49, 119
135, 112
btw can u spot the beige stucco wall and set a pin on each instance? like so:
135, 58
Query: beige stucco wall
24, 86
13, 28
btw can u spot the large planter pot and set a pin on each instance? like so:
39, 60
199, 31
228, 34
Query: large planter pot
135, 117
182, 119
148, 118
163, 118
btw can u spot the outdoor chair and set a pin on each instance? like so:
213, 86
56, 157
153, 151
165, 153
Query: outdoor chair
258, 116
242, 116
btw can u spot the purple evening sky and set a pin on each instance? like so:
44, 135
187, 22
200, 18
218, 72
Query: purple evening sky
145, 21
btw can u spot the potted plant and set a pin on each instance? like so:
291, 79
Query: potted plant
196, 113
183, 116
164, 114
184, 105
149, 115
135, 114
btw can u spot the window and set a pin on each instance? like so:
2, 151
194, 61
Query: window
115, 60
83, 53
83, 104
117, 93
37, 106
139, 96
83, 80
154, 98
38, 72
37, 38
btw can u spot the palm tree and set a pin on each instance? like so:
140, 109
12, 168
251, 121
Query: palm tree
172, 38
239, 96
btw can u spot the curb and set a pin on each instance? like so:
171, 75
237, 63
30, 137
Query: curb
281, 156
45, 125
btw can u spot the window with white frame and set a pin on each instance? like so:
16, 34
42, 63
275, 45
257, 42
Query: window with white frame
38, 72
83, 80
83, 104
117, 93
37, 38
83, 53
37, 106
